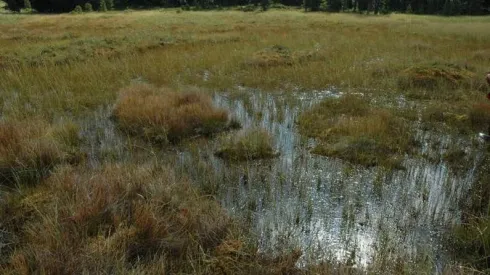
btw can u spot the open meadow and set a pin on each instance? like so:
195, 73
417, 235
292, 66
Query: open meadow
228, 142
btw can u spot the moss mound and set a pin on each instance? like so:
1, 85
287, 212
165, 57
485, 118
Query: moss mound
479, 116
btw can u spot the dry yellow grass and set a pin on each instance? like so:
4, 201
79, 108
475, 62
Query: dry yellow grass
126, 219
85, 62
163, 115
29, 149
112, 219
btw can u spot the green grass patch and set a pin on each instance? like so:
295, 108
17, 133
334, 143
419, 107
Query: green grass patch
247, 145
350, 129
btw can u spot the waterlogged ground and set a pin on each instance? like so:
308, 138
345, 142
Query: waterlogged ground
329, 209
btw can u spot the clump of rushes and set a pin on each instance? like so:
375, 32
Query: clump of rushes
29, 149
348, 128
111, 221
247, 145
163, 115
437, 75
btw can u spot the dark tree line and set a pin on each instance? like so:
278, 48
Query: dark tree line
445, 7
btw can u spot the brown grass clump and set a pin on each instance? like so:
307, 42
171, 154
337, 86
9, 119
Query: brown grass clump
248, 145
104, 222
163, 115
29, 149
126, 219
348, 128
430, 76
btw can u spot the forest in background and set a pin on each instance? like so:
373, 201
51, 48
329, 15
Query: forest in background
442, 7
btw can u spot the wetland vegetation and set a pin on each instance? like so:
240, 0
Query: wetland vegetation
165, 116
359, 134
250, 145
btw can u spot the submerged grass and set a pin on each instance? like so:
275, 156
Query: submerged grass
350, 129
163, 115
248, 145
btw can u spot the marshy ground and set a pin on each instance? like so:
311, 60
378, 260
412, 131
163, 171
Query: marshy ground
357, 150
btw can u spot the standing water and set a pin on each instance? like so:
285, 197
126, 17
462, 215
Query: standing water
332, 210
328, 208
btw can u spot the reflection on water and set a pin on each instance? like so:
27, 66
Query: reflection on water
330, 209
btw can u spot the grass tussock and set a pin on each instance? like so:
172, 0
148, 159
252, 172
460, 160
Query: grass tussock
248, 145
29, 149
107, 221
437, 75
126, 219
348, 128
163, 115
